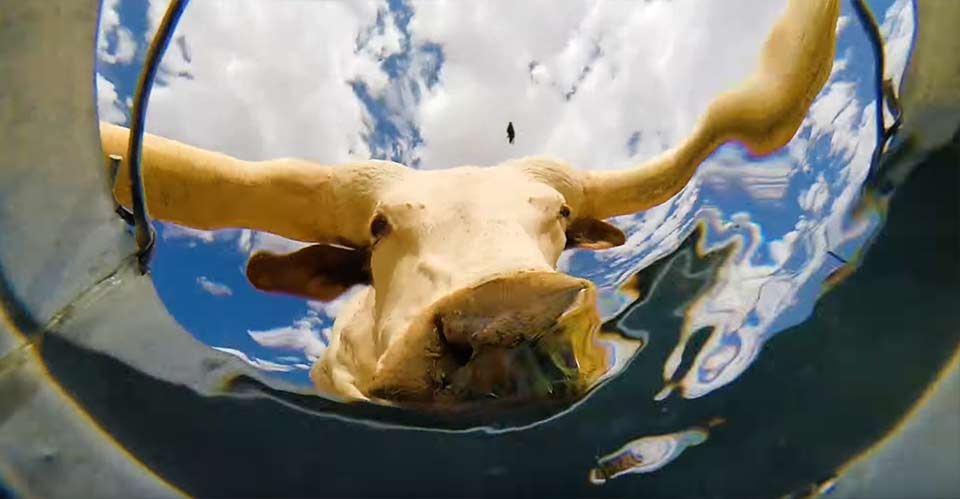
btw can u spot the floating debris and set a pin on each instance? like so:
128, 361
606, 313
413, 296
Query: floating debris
647, 454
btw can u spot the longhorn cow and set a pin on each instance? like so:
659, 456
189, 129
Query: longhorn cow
464, 302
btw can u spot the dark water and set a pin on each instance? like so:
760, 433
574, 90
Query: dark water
820, 393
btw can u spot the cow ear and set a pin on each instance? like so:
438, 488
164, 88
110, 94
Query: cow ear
592, 233
319, 272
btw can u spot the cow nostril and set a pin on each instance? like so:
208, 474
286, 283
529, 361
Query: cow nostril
567, 360
461, 352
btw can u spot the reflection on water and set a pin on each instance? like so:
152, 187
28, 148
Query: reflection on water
640, 331
647, 454
652, 313
789, 216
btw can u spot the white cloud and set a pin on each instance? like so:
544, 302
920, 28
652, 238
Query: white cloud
814, 198
835, 114
332, 309
245, 241
842, 23
764, 180
563, 263
263, 365
267, 79
214, 288
266, 241
897, 31
173, 232
385, 41
109, 17
107, 102
155, 11
250, 241
306, 334
125, 50
125, 46
628, 67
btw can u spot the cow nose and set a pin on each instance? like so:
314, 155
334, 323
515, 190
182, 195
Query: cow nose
526, 336
505, 312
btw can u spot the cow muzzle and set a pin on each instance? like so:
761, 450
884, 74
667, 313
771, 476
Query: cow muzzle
526, 337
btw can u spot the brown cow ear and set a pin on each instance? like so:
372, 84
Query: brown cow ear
591, 233
319, 272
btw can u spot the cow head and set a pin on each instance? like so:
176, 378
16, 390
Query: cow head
465, 301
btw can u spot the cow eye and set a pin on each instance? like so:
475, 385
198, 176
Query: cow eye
565, 211
379, 226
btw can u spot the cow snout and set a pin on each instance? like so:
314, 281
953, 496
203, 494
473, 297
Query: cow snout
529, 336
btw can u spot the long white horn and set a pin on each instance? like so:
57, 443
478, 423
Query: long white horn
763, 113
292, 198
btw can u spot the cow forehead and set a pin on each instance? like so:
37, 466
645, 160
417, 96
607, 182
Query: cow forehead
469, 187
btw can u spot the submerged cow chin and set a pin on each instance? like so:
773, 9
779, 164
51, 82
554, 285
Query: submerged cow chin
530, 336
462, 302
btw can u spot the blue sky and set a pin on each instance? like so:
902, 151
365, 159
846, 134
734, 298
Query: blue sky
409, 87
